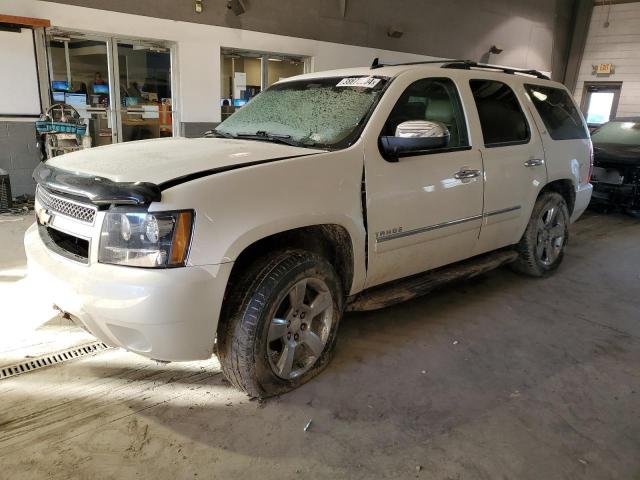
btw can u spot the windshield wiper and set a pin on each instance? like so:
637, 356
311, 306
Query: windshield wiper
272, 137
218, 133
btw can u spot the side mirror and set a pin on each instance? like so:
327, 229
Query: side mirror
414, 137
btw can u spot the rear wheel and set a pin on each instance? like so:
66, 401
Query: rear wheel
279, 329
542, 246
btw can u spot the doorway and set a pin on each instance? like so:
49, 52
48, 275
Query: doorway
120, 100
600, 102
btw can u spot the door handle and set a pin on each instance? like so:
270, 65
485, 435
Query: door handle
534, 162
466, 174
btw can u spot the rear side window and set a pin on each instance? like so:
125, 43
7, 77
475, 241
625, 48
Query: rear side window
558, 112
501, 118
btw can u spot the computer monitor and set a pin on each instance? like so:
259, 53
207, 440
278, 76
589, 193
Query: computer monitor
239, 102
130, 101
60, 86
101, 89
58, 97
76, 99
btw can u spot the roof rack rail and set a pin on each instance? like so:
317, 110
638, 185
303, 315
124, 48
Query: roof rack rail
376, 63
463, 64
469, 64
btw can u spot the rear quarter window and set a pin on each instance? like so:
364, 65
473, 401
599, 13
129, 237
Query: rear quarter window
558, 112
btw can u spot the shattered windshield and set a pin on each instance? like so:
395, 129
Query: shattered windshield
618, 132
319, 112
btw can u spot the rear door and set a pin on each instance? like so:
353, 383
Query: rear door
514, 162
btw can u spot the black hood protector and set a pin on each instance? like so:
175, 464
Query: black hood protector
98, 190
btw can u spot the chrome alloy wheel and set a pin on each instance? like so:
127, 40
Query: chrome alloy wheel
300, 329
550, 234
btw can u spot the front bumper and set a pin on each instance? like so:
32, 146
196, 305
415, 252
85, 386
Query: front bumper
164, 314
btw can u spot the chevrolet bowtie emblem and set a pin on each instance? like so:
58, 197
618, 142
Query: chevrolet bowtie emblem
43, 216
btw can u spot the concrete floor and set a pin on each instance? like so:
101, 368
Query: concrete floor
503, 377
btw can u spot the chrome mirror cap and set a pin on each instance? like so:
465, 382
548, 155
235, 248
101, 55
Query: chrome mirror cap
422, 129
415, 137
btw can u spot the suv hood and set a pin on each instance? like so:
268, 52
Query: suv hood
612, 153
164, 160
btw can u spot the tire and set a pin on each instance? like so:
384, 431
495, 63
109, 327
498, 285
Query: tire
270, 341
541, 249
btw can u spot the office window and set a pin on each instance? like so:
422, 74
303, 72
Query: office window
434, 99
501, 118
145, 107
600, 102
244, 74
558, 112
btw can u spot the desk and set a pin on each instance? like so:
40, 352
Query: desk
139, 128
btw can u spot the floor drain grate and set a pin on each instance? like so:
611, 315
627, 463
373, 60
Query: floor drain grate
52, 359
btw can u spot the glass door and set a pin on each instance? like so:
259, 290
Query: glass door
145, 107
79, 76
121, 88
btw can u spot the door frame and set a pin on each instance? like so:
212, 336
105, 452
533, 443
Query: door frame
113, 73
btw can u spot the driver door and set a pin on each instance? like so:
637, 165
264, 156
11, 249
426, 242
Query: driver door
424, 209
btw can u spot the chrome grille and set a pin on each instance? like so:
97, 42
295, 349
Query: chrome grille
79, 211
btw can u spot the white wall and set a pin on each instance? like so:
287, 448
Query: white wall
618, 44
18, 74
199, 47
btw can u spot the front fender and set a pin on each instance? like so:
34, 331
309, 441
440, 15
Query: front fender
237, 208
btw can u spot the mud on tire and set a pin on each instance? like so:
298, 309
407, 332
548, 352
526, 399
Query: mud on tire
542, 246
268, 315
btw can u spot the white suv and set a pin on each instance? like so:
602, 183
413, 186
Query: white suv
348, 189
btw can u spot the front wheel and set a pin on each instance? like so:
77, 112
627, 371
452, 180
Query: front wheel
542, 246
280, 327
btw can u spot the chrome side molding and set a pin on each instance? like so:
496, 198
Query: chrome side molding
416, 231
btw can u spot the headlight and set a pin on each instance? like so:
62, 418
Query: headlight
143, 239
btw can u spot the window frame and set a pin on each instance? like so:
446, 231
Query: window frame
593, 87
522, 109
464, 122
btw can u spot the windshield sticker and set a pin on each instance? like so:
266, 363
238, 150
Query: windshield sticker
365, 82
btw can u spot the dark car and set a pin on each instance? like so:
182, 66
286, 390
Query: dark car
616, 165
